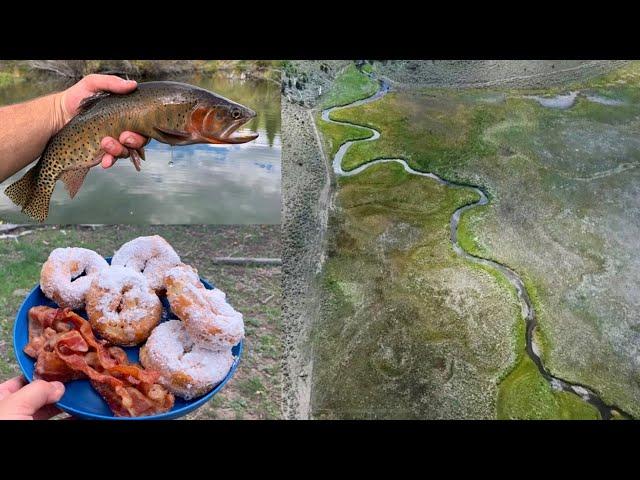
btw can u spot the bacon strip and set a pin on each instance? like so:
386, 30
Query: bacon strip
66, 349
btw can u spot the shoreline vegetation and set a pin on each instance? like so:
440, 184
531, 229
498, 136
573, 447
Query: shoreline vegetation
16, 71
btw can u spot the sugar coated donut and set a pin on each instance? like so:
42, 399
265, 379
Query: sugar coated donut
58, 275
186, 370
152, 256
122, 307
208, 318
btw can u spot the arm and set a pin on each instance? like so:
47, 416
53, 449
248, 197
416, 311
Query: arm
27, 127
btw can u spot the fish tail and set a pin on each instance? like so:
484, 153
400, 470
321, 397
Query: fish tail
38, 206
29, 195
20, 192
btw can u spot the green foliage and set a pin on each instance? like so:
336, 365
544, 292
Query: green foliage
526, 395
349, 86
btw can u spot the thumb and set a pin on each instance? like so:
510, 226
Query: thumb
31, 398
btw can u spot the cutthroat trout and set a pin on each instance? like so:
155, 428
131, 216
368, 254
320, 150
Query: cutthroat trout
169, 112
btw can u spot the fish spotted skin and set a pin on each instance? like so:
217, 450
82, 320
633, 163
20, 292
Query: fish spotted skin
169, 112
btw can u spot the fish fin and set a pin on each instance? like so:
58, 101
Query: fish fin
89, 102
174, 137
73, 179
38, 206
20, 192
135, 158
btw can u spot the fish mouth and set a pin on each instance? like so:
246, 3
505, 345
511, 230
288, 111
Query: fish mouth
228, 135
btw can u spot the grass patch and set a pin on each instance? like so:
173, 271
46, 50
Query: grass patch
333, 136
391, 325
349, 86
526, 395
433, 132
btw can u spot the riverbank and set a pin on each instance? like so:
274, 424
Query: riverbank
72, 70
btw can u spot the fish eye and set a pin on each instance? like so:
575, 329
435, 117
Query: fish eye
235, 113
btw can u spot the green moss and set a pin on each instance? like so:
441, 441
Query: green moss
526, 395
349, 86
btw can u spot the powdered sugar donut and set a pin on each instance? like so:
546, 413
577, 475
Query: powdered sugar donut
122, 307
187, 370
208, 318
62, 267
152, 256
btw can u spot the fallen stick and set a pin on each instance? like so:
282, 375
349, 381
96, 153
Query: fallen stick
247, 261
8, 227
266, 300
15, 236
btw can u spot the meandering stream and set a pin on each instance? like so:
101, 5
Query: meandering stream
528, 311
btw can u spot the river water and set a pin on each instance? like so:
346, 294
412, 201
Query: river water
226, 184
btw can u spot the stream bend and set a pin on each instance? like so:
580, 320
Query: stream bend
528, 311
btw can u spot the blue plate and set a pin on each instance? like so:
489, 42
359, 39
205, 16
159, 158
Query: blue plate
80, 399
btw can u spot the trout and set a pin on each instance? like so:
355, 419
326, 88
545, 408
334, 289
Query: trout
169, 112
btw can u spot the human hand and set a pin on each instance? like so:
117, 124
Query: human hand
129, 143
19, 401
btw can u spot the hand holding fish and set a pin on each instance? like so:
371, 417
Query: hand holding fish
28, 126
85, 120
90, 85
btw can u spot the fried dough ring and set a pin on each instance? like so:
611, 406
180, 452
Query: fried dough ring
58, 275
209, 320
152, 256
122, 307
186, 370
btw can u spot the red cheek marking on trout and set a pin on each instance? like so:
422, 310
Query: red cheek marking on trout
196, 121
201, 123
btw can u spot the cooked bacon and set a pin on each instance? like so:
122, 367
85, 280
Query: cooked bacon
66, 349
51, 368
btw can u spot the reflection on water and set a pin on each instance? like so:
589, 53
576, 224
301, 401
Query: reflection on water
205, 183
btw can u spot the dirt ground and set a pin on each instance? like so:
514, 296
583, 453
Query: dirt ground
255, 390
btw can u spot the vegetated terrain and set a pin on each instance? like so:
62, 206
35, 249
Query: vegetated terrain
410, 330
255, 390
564, 196
20, 70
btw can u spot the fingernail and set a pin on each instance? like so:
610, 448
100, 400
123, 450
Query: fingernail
110, 144
129, 142
58, 386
